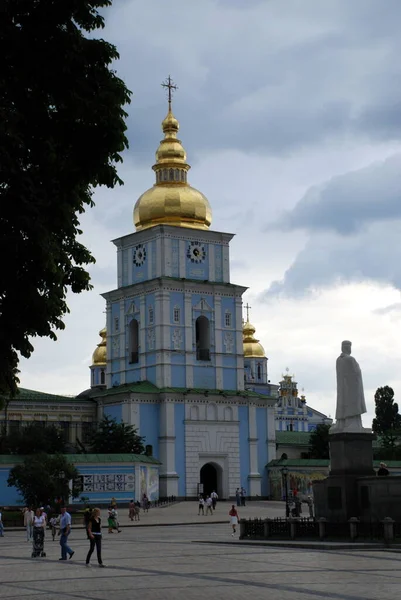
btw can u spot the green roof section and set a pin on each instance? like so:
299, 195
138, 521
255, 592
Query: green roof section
78, 459
145, 387
296, 438
25, 395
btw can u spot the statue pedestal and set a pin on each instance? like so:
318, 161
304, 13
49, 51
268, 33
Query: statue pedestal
351, 457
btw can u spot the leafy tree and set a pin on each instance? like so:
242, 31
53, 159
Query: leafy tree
319, 441
387, 422
34, 438
43, 478
62, 129
115, 438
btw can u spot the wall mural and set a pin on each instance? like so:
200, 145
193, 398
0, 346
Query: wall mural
150, 482
117, 482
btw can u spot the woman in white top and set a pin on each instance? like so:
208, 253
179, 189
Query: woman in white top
39, 525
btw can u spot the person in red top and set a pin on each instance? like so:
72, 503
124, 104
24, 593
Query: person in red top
234, 517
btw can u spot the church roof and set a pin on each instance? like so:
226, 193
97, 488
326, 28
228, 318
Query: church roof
25, 395
90, 458
296, 438
321, 462
145, 387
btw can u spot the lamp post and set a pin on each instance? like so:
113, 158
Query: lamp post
284, 474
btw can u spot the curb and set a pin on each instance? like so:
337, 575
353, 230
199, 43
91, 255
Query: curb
136, 524
302, 545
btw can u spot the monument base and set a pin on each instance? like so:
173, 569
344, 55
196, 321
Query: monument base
338, 498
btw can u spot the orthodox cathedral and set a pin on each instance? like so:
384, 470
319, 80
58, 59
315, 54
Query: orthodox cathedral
176, 359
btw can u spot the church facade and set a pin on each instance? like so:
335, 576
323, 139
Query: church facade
171, 360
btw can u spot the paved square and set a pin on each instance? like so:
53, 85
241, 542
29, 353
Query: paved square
154, 563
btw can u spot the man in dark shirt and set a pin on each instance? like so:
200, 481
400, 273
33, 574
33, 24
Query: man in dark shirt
383, 471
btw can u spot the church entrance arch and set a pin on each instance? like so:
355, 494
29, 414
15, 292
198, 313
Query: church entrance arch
211, 478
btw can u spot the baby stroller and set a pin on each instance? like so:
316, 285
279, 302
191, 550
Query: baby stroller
38, 542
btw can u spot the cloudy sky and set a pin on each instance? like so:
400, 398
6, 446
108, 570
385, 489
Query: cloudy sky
290, 113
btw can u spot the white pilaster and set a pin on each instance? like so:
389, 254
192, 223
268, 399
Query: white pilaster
189, 369
108, 345
182, 259
119, 267
167, 256
159, 257
212, 266
271, 434
168, 475
129, 251
254, 476
226, 264
121, 340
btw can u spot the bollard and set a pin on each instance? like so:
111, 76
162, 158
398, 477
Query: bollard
388, 527
242, 528
322, 527
353, 527
266, 528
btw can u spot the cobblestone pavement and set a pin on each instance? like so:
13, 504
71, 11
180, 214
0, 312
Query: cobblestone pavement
153, 563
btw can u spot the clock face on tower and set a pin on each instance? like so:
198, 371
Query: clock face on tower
139, 255
196, 252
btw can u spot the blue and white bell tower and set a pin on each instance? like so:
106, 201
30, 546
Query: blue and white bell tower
175, 354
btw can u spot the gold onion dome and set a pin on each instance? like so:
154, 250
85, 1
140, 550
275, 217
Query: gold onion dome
252, 347
172, 201
99, 357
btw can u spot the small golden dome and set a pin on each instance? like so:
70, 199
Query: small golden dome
99, 357
252, 347
172, 200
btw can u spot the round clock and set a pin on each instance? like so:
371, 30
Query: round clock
196, 252
139, 255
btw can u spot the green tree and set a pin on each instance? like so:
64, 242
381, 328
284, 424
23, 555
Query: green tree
115, 438
387, 423
34, 438
319, 441
62, 131
43, 478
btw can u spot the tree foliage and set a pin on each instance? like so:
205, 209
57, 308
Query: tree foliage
42, 478
319, 441
387, 422
34, 438
62, 129
115, 438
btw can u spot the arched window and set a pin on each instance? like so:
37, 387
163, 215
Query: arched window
171, 177
202, 330
194, 413
211, 412
228, 413
164, 174
102, 377
177, 175
176, 315
151, 315
133, 343
259, 371
227, 319
183, 176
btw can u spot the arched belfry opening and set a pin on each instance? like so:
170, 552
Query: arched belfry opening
133, 342
211, 478
202, 331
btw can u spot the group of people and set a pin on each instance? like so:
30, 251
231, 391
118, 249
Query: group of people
240, 496
210, 502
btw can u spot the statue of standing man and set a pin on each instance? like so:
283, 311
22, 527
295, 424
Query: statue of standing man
350, 397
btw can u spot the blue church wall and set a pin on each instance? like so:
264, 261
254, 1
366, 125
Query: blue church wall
115, 317
196, 298
177, 300
229, 379
151, 374
178, 378
114, 411
229, 360
244, 457
133, 373
263, 458
150, 303
175, 262
153, 270
150, 428
115, 379
228, 304
205, 377
218, 262
179, 417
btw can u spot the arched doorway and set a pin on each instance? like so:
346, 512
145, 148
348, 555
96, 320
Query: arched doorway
210, 476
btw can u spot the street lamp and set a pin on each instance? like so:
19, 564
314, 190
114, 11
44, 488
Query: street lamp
284, 474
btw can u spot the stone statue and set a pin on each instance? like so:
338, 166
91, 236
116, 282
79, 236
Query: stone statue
350, 397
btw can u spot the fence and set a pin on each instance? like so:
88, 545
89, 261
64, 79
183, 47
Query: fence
385, 531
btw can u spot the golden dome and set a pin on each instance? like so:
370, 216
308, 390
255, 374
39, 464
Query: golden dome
99, 357
252, 347
172, 200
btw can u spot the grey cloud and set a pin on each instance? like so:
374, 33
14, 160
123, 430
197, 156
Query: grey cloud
345, 204
327, 260
391, 308
268, 76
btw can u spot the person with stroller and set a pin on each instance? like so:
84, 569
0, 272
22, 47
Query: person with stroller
38, 534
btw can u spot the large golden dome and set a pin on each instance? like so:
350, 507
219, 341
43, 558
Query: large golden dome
252, 347
172, 201
99, 357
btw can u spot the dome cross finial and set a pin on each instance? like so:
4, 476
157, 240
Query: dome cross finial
171, 87
247, 307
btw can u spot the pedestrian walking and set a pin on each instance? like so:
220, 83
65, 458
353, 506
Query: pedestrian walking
131, 509
214, 498
243, 496
87, 517
1, 524
201, 505
209, 504
95, 537
238, 496
38, 534
112, 520
54, 522
234, 518
28, 523
145, 503
65, 530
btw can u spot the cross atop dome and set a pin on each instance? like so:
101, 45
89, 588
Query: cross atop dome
171, 87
